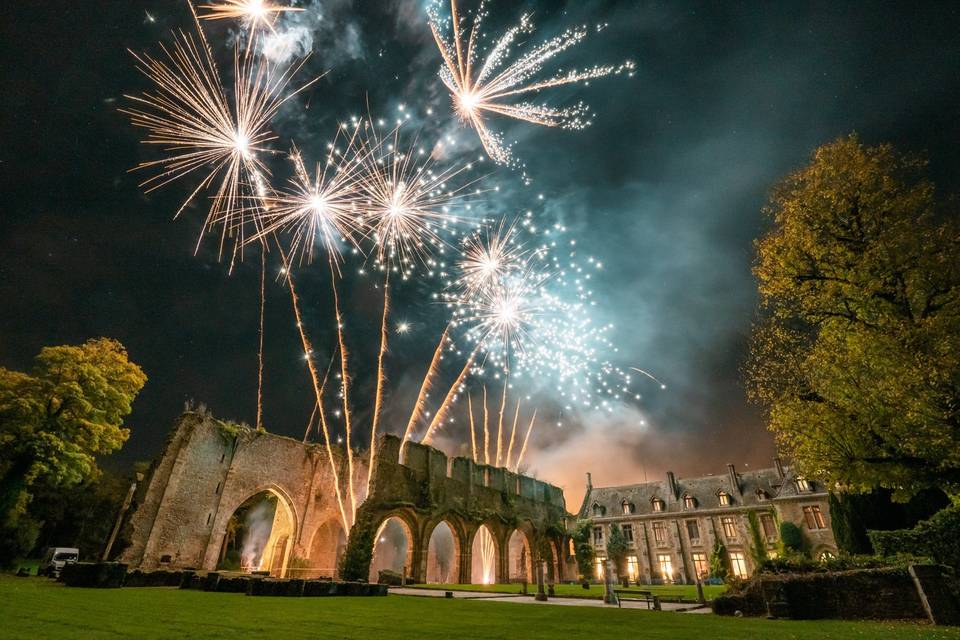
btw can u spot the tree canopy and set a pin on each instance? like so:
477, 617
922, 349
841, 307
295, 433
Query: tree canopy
55, 420
856, 352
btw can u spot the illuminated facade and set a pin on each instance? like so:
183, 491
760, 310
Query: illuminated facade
672, 526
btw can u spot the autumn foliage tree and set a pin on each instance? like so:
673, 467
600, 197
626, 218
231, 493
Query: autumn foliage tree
55, 421
856, 353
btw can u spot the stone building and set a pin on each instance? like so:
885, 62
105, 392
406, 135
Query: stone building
218, 487
672, 526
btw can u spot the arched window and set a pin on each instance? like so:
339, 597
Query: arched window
627, 507
657, 504
598, 509
724, 499
689, 502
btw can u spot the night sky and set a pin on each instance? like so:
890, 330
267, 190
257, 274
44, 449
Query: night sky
666, 188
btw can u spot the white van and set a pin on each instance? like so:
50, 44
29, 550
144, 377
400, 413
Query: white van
55, 559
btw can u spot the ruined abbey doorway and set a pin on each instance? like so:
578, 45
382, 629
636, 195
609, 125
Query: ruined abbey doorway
326, 548
518, 556
391, 549
484, 557
442, 553
258, 536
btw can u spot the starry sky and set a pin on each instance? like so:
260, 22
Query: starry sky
666, 188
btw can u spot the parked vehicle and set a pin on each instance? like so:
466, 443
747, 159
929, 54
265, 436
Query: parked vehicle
55, 559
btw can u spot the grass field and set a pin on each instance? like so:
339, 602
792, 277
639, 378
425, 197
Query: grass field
36, 608
685, 591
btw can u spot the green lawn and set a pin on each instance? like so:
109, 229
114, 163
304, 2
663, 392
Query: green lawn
36, 608
685, 591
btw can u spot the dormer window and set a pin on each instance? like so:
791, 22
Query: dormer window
658, 504
598, 510
724, 499
628, 508
689, 502
762, 495
803, 485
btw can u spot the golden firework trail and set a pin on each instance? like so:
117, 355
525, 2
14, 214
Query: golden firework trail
486, 429
420, 403
441, 413
526, 439
256, 13
491, 86
344, 392
473, 432
503, 404
200, 131
513, 434
318, 392
381, 379
263, 301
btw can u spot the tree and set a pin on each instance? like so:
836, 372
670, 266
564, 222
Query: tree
718, 562
617, 549
54, 421
856, 353
791, 537
583, 550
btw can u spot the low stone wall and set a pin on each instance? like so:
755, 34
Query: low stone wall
878, 594
98, 575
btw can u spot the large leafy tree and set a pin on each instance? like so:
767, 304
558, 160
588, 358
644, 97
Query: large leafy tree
856, 353
55, 420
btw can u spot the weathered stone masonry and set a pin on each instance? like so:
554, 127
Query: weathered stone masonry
208, 469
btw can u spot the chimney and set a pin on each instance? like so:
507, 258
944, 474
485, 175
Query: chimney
778, 463
589, 482
734, 481
672, 485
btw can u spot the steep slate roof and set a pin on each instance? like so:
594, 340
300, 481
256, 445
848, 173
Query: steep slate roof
704, 490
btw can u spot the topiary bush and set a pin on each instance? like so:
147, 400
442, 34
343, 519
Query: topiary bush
938, 538
792, 537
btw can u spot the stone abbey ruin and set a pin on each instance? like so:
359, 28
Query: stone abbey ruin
228, 497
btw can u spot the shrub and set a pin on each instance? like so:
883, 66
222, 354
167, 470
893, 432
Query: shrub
718, 562
792, 537
799, 563
938, 538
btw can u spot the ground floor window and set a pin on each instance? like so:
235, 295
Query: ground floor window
700, 565
598, 567
633, 568
666, 567
738, 564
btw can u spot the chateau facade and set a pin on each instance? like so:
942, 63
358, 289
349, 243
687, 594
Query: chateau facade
672, 526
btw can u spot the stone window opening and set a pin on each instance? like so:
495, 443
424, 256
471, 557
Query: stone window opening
689, 502
598, 535
738, 564
627, 533
627, 507
729, 527
598, 510
769, 526
666, 567
803, 485
724, 498
813, 516
659, 532
700, 565
657, 504
217, 490
209, 515
693, 530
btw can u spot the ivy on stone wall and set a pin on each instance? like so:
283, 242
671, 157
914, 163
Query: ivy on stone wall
759, 550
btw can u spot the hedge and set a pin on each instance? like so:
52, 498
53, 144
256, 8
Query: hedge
937, 538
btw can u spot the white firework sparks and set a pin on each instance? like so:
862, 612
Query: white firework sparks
255, 13
491, 86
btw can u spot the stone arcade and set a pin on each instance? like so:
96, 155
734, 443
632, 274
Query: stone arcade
185, 511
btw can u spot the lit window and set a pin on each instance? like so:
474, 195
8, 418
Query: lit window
627, 507
573, 548
633, 568
627, 533
769, 526
738, 564
598, 568
693, 530
826, 556
814, 517
803, 485
729, 527
657, 504
689, 502
700, 565
598, 535
659, 532
724, 499
666, 567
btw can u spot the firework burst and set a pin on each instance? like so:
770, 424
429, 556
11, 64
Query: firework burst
255, 13
491, 86
189, 116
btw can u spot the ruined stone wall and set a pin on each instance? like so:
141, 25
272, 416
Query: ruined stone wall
208, 469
